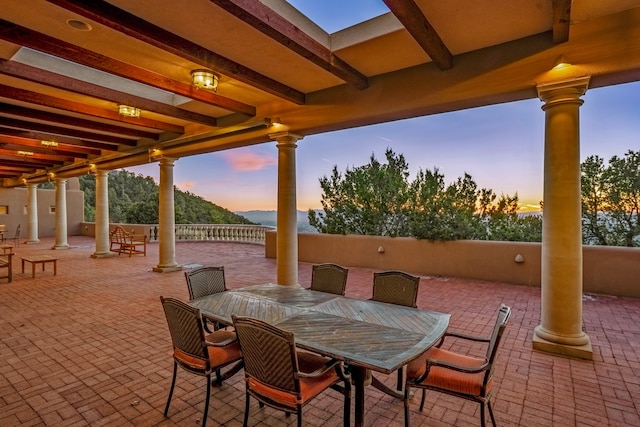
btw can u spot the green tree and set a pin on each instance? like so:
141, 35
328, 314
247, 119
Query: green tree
440, 212
611, 200
134, 199
378, 199
370, 199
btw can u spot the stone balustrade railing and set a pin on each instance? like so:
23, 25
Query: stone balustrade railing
215, 233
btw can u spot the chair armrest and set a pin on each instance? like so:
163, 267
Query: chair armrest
321, 370
222, 343
466, 337
455, 367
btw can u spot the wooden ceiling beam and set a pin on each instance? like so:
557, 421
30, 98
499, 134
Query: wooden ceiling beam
561, 20
18, 169
30, 113
61, 131
23, 36
48, 78
30, 144
133, 26
23, 163
61, 140
36, 156
43, 100
410, 15
265, 20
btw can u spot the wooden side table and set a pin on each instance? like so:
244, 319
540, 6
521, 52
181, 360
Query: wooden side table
6, 249
40, 259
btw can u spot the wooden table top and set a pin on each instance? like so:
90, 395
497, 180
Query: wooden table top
39, 258
378, 336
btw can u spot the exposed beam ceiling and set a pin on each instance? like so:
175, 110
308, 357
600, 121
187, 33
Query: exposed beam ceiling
65, 69
140, 29
418, 25
284, 32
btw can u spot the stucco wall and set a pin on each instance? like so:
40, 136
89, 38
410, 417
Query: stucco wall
16, 200
607, 270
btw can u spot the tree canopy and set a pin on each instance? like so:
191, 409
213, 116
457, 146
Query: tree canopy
134, 199
611, 200
379, 199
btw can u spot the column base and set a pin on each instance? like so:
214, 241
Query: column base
584, 351
65, 246
167, 269
103, 254
31, 242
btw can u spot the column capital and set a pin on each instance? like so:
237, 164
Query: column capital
166, 161
285, 137
564, 91
31, 185
101, 172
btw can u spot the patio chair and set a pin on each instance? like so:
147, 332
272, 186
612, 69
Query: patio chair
206, 281
16, 237
196, 353
330, 278
457, 374
395, 287
282, 377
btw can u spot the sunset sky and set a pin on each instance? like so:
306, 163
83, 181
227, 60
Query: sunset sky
500, 146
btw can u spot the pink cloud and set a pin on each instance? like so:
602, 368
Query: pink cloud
185, 185
244, 160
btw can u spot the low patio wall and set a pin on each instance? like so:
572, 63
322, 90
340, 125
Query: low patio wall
607, 270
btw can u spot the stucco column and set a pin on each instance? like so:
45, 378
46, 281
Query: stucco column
560, 330
32, 213
61, 214
102, 215
167, 219
287, 220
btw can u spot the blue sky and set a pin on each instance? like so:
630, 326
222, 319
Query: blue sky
500, 146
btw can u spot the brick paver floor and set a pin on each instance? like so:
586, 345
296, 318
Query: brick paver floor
90, 346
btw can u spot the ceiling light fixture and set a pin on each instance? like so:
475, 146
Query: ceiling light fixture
49, 143
25, 153
128, 111
273, 122
205, 79
79, 25
561, 62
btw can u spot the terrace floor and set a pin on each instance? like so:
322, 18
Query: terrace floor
90, 346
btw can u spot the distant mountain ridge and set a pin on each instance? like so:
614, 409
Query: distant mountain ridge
270, 218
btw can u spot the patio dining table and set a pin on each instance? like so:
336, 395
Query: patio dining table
366, 335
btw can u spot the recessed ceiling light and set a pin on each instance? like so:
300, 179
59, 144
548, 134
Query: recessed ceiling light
79, 25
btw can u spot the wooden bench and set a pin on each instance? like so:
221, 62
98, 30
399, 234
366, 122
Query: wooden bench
124, 242
6, 263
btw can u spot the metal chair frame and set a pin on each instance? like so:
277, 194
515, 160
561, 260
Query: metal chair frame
191, 348
273, 373
486, 368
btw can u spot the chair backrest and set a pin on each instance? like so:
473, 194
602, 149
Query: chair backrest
496, 335
17, 236
205, 281
269, 354
185, 327
396, 287
330, 278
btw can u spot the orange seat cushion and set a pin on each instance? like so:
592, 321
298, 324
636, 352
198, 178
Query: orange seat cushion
440, 377
217, 355
309, 387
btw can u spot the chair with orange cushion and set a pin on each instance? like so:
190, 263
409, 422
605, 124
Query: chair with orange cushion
196, 352
395, 287
206, 281
331, 278
461, 375
280, 376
